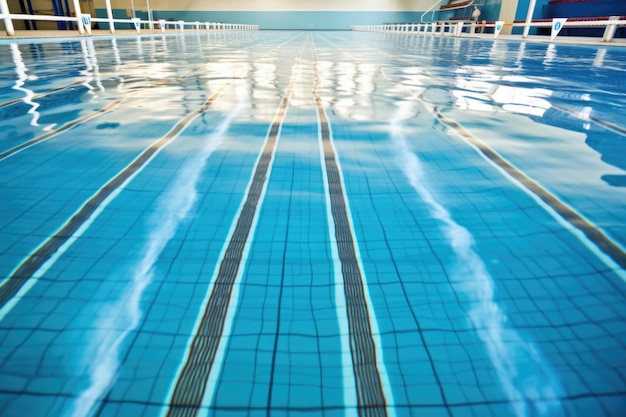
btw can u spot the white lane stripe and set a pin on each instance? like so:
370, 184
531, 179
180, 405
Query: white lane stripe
349, 383
218, 360
119, 318
579, 234
28, 285
528, 380
380, 360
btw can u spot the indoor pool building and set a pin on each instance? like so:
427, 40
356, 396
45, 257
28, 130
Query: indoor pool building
312, 208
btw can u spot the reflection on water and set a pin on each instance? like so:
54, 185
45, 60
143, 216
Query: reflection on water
120, 317
529, 383
590, 110
92, 70
501, 80
22, 77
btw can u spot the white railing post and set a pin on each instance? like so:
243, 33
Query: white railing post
150, 23
110, 16
459, 29
609, 32
8, 23
77, 13
529, 18
84, 21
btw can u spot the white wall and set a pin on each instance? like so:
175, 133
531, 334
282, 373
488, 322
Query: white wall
274, 5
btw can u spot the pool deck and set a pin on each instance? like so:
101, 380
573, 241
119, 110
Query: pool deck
42, 34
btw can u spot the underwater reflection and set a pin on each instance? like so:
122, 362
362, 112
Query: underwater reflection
22, 78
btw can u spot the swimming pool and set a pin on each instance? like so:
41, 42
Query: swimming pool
312, 223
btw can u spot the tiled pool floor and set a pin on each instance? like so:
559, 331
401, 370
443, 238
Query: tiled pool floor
311, 223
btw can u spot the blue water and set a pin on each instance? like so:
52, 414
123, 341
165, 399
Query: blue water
481, 299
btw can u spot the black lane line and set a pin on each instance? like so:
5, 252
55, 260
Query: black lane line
4, 155
28, 267
77, 83
191, 384
107, 399
604, 243
603, 123
40, 95
370, 395
597, 236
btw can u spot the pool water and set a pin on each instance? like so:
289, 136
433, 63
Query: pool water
312, 223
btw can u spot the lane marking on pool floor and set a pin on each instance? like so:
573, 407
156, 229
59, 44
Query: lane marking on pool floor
609, 251
24, 277
41, 138
373, 392
193, 389
108, 75
41, 95
602, 123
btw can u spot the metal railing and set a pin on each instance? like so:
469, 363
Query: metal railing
84, 22
464, 28
430, 9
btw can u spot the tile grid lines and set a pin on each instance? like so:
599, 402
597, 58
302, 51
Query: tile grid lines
569, 111
190, 388
12, 151
458, 406
369, 386
594, 234
607, 125
594, 238
108, 400
413, 308
21, 279
40, 95
607, 246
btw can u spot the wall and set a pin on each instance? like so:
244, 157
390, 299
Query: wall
280, 14
541, 11
275, 5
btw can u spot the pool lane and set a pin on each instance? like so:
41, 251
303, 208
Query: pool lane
477, 270
203, 361
484, 303
201, 249
66, 232
373, 391
46, 186
53, 130
284, 354
106, 247
93, 292
558, 123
